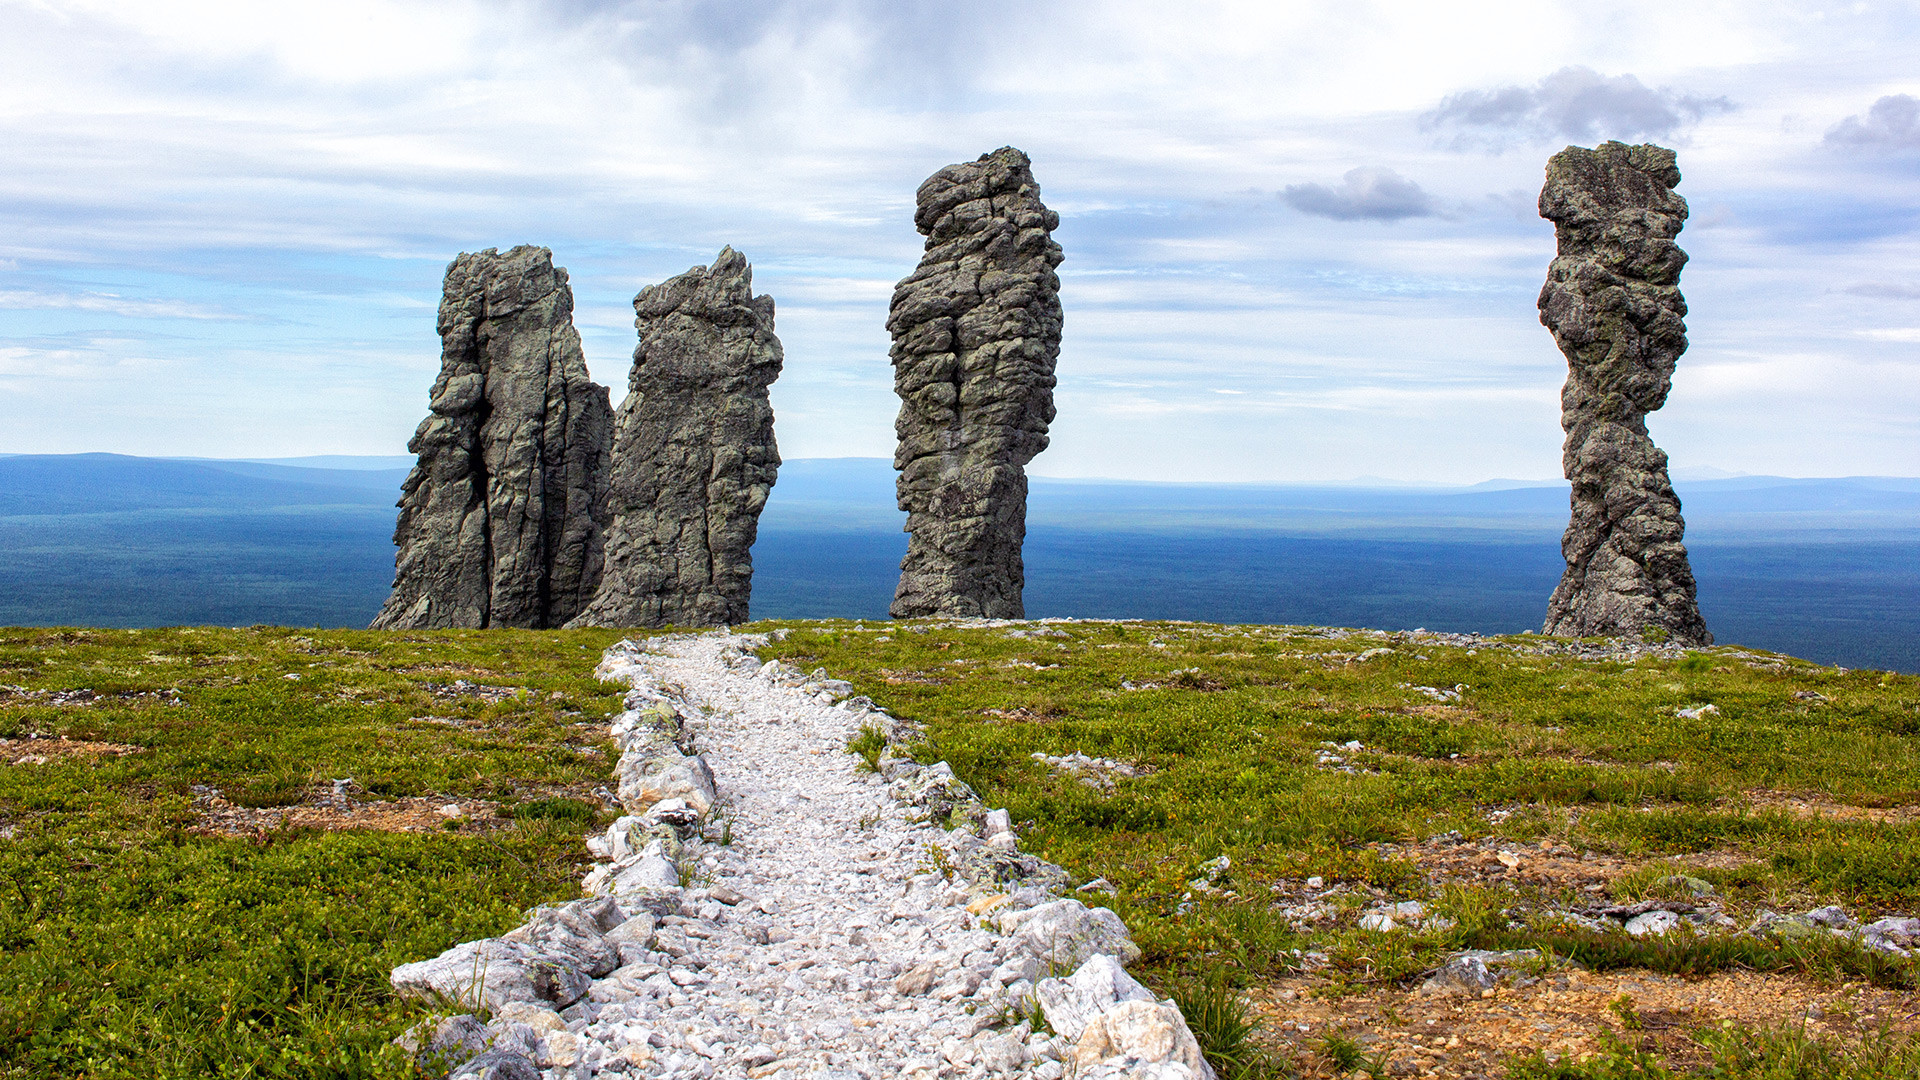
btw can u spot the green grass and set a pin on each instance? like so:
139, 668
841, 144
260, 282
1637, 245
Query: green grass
1228, 723
136, 945
132, 945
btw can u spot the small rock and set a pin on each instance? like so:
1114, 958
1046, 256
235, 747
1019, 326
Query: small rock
1070, 1004
916, 980
1066, 932
1652, 923
1134, 1034
498, 1065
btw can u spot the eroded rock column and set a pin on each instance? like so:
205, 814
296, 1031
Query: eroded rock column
501, 519
1612, 300
976, 333
693, 452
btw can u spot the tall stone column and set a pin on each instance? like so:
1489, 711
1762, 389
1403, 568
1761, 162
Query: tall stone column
976, 333
501, 518
693, 453
1612, 300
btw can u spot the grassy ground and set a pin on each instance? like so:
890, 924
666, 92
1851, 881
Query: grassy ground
152, 928
183, 900
1551, 783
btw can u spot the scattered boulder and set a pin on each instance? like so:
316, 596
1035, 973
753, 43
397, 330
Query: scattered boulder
1071, 1003
502, 519
489, 973
1473, 970
693, 453
976, 333
498, 1065
440, 1047
1612, 300
1067, 933
1136, 1038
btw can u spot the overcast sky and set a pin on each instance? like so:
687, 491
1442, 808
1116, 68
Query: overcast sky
1300, 239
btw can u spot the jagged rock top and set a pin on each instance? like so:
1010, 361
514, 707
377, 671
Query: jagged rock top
976, 334
694, 453
1612, 300
501, 518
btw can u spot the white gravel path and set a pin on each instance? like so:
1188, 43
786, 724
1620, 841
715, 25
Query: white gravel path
811, 924
838, 886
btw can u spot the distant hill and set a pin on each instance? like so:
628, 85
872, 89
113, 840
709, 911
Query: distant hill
1826, 569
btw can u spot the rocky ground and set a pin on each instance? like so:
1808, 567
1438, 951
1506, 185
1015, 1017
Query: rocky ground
770, 909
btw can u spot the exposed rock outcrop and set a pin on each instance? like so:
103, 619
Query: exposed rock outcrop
976, 332
501, 520
693, 452
1612, 300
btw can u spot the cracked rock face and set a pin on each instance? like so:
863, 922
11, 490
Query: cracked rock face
1612, 300
501, 519
693, 451
976, 332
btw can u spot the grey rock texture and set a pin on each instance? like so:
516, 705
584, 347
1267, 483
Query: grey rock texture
693, 451
501, 520
1612, 300
976, 333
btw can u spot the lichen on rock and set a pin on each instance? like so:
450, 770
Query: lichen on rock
501, 519
976, 333
693, 452
1612, 300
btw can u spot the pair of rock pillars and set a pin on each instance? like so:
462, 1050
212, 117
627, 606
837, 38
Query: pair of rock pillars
536, 504
533, 504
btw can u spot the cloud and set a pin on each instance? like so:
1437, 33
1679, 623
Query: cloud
1368, 193
1575, 103
1906, 335
27, 300
1885, 290
1893, 123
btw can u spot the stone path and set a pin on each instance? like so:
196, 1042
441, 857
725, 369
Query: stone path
771, 910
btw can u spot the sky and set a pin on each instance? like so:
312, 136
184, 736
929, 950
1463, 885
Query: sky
1301, 243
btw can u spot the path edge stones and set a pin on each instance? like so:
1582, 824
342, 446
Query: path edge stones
523, 983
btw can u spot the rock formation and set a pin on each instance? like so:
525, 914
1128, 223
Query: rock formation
1612, 300
501, 519
976, 332
693, 453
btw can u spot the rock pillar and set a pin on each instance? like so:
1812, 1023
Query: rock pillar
1612, 300
501, 518
976, 332
693, 452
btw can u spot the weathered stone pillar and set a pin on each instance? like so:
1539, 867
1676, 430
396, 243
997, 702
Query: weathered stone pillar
501, 518
976, 332
693, 453
1612, 300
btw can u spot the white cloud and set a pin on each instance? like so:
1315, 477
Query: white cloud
24, 299
314, 168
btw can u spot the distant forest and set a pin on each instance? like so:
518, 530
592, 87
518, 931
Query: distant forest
1824, 569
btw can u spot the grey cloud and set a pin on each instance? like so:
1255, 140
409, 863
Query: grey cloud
1575, 103
1893, 123
1369, 193
737, 56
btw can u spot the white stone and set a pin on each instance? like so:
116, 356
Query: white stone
1140, 1036
1099, 984
1652, 923
1065, 933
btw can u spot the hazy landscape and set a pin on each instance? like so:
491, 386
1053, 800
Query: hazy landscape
1828, 569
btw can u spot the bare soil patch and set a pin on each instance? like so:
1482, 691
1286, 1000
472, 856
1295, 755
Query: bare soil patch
1811, 804
1565, 1014
40, 749
428, 813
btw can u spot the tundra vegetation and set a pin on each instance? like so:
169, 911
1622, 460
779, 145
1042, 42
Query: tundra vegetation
188, 897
